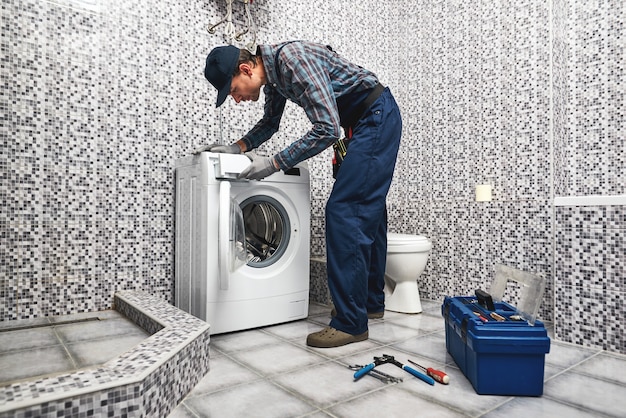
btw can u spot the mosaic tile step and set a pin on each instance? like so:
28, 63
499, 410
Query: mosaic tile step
148, 380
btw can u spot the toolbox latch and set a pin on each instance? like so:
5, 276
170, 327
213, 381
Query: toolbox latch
464, 329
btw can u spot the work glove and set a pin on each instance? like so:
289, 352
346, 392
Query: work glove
260, 167
224, 149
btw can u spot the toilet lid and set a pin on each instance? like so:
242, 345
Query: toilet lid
407, 243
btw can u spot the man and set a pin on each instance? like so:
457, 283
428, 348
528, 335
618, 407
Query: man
334, 93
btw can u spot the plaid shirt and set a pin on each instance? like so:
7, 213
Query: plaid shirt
313, 77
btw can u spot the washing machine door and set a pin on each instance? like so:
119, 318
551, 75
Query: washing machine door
268, 230
231, 236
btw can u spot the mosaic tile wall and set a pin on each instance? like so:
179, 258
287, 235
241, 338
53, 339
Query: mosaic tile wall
478, 113
590, 159
589, 98
590, 276
99, 99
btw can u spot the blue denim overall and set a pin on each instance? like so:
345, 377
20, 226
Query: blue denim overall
356, 216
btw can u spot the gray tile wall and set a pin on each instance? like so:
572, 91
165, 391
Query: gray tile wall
99, 98
589, 159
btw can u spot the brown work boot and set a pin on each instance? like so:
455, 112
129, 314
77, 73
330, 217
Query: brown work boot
375, 315
370, 315
331, 337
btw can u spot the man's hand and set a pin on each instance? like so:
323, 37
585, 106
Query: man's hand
260, 167
224, 149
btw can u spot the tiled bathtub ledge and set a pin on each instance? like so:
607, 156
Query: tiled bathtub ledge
149, 380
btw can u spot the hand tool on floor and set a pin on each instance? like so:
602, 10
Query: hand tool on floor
390, 359
438, 375
383, 377
375, 375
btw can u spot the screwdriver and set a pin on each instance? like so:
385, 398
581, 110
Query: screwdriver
481, 317
438, 375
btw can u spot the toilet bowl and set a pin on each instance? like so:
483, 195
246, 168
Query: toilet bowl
406, 259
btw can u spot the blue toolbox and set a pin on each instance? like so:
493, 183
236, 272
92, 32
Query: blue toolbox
499, 351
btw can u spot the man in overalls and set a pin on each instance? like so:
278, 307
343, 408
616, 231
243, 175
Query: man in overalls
334, 93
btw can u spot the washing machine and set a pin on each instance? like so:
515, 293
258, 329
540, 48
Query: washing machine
241, 246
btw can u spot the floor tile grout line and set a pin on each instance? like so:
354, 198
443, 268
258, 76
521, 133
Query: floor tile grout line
261, 377
359, 396
594, 413
394, 386
437, 401
65, 345
189, 409
495, 407
67, 351
296, 395
48, 324
407, 352
25, 350
317, 411
570, 369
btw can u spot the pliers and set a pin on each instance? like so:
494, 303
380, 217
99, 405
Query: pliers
383, 377
390, 359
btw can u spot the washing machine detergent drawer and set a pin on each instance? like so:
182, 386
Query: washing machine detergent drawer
228, 166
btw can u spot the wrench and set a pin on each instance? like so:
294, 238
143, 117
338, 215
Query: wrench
377, 376
383, 377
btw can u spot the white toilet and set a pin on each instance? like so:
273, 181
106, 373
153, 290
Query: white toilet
406, 259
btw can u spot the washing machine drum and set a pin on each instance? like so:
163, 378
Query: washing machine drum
267, 230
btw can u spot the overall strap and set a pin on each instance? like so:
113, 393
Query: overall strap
276, 56
281, 48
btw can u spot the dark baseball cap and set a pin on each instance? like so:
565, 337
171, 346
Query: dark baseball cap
220, 66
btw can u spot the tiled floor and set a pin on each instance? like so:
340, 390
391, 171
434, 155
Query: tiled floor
270, 372
35, 348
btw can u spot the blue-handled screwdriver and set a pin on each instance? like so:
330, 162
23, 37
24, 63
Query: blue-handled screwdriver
438, 375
